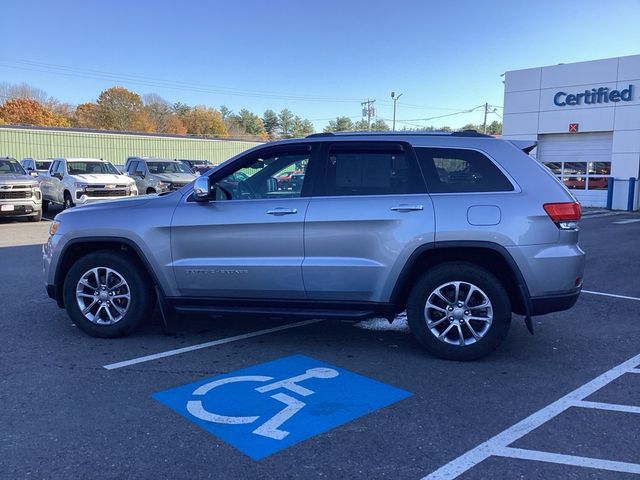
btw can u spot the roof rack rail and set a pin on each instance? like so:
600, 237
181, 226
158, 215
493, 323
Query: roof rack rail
462, 133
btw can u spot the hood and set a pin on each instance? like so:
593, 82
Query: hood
175, 177
16, 179
110, 204
101, 178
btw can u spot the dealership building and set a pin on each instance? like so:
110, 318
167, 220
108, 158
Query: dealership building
586, 119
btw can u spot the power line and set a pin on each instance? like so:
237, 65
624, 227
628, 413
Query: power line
93, 74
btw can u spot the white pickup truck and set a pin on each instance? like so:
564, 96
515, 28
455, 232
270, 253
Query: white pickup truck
77, 181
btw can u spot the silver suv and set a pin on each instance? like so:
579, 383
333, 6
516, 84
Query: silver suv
20, 194
460, 229
158, 175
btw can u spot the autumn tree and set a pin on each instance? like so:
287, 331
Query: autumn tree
86, 116
121, 109
202, 120
162, 115
30, 112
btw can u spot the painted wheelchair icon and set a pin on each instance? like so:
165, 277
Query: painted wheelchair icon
269, 428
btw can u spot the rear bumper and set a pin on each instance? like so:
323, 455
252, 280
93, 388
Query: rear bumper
554, 303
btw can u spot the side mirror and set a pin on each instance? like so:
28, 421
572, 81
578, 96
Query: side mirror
33, 173
202, 189
58, 175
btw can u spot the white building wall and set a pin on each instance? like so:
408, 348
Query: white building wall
529, 110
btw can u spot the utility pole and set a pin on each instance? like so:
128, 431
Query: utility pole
484, 123
368, 111
395, 99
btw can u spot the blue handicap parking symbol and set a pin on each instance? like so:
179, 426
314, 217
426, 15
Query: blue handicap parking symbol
263, 409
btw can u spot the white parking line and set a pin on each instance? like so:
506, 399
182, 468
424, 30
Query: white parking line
498, 444
568, 460
178, 351
623, 222
612, 407
611, 295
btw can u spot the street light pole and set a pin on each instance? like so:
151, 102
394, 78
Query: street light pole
395, 99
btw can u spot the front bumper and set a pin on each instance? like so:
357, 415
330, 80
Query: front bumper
19, 208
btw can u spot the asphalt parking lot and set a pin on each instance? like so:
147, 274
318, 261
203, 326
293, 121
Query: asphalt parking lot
564, 403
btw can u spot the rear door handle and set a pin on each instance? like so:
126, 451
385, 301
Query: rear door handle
282, 211
405, 207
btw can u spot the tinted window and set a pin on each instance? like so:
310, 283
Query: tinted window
132, 166
81, 168
167, 167
353, 169
43, 164
451, 170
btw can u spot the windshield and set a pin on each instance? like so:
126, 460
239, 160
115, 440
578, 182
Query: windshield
43, 164
9, 165
96, 168
167, 167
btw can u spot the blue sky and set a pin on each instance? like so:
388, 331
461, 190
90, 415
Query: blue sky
319, 59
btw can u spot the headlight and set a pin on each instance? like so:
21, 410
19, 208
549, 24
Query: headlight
53, 228
80, 186
162, 184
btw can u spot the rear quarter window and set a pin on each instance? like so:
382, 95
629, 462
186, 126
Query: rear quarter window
452, 170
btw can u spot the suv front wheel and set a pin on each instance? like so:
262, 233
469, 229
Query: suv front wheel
106, 294
459, 311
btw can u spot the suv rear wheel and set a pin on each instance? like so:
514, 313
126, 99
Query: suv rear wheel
106, 294
459, 311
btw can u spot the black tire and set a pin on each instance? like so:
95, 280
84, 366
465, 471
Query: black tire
150, 191
68, 201
45, 205
36, 218
438, 278
140, 288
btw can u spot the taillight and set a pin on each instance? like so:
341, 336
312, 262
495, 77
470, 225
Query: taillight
564, 215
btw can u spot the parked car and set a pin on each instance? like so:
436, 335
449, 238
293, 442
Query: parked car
198, 166
284, 179
34, 167
374, 229
78, 181
20, 194
158, 175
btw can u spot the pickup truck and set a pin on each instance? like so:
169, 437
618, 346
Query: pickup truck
19, 193
78, 181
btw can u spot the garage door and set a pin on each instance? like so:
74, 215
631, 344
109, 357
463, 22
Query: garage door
582, 161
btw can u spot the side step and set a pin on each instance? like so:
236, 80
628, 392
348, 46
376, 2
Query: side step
271, 312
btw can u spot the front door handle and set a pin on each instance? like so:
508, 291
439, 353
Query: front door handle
282, 211
405, 207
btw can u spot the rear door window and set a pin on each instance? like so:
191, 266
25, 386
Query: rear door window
456, 170
370, 168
